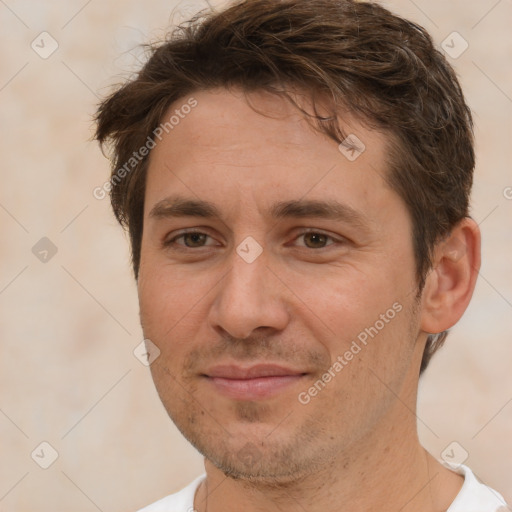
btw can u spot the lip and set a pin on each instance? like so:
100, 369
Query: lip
255, 382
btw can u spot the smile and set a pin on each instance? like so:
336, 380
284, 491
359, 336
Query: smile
254, 383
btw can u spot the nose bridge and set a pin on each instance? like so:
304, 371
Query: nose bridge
248, 296
248, 277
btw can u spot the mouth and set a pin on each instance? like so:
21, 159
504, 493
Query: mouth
256, 382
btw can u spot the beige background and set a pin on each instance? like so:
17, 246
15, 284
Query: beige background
69, 325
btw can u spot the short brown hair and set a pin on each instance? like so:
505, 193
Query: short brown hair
353, 55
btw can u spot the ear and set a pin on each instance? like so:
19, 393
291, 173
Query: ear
449, 285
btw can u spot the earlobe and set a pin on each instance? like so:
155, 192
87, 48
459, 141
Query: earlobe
451, 282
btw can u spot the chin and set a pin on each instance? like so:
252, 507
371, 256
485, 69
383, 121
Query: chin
271, 464
267, 473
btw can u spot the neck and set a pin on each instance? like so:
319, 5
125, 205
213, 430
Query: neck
386, 469
396, 475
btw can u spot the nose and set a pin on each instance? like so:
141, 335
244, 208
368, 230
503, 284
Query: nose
249, 297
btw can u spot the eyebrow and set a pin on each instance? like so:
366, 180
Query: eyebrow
177, 206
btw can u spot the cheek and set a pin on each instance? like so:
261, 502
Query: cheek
345, 302
364, 318
173, 306
154, 297
165, 293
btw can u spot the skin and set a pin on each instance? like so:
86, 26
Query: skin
300, 304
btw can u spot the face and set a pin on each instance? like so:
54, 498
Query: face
277, 279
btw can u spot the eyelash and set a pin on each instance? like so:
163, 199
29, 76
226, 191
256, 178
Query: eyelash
172, 242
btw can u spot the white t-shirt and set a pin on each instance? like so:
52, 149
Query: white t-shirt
473, 497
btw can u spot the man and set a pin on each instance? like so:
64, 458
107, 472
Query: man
295, 179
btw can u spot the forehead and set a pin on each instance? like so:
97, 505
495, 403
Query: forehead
254, 144
228, 118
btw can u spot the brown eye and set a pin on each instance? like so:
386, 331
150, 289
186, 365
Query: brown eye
190, 240
194, 239
315, 240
